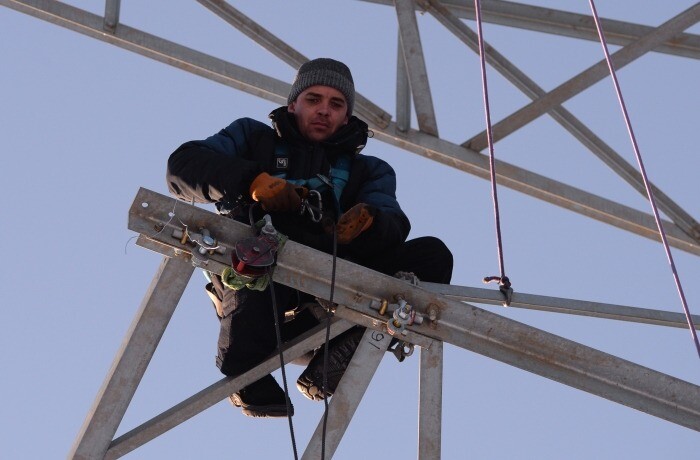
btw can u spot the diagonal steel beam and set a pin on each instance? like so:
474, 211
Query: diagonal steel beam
528, 348
565, 118
564, 23
348, 395
538, 186
217, 392
363, 106
173, 54
255, 31
157, 48
133, 357
587, 78
415, 66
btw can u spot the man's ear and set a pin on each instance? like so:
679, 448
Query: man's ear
291, 106
347, 118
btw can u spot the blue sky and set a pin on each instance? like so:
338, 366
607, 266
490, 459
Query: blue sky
85, 124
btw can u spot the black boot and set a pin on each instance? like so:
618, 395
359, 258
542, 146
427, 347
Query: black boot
263, 398
340, 351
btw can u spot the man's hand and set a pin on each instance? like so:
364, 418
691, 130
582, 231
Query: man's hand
355, 221
275, 194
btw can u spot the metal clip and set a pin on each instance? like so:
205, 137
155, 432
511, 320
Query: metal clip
315, 212
205, 243
402, 316
401, 349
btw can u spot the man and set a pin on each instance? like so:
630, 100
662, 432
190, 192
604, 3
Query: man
314, 144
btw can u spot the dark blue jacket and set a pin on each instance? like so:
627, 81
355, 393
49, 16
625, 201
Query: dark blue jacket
221, 168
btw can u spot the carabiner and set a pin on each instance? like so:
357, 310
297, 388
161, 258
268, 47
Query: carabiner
315, 211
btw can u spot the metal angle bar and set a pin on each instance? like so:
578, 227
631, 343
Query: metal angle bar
587, 78
415, 66
177, 55
562, 305
132, 359
536, 185
369, 322
500, 338
564, 23
111, 14
169, 246
156, 48
348, 395
363, 106
403, 91
565, 118
218, 391
255, 31
463, 325
430, 402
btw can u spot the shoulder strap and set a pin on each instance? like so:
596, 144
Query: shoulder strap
340, 171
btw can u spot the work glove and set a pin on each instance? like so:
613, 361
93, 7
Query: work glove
354, 221
275, 194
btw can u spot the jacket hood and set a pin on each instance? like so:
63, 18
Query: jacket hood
351, 137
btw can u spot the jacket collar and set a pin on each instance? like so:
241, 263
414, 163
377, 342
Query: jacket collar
350, 138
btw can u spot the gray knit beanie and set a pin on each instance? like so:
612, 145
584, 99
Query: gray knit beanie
326, 72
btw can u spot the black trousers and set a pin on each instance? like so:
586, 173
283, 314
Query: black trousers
247, 334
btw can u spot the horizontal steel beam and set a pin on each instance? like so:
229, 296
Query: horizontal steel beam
360, 289
570, 306
566, 24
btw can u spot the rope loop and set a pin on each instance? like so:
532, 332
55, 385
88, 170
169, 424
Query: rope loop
504, 286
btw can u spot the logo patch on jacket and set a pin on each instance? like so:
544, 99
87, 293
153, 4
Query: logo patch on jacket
282, 163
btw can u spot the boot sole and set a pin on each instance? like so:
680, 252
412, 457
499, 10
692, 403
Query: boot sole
307, 387
267, 411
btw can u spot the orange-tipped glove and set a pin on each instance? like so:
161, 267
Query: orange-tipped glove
354, 221
275, 194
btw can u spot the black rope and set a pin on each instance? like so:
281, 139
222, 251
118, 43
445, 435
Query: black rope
278, 333
270, 271
329, 315
326, 345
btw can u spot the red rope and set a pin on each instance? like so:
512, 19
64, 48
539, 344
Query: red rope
503, 280
650, 194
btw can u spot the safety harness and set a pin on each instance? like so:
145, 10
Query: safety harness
339, 174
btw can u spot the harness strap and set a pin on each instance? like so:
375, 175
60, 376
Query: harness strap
340, 173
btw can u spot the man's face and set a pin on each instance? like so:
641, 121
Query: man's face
320, 111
